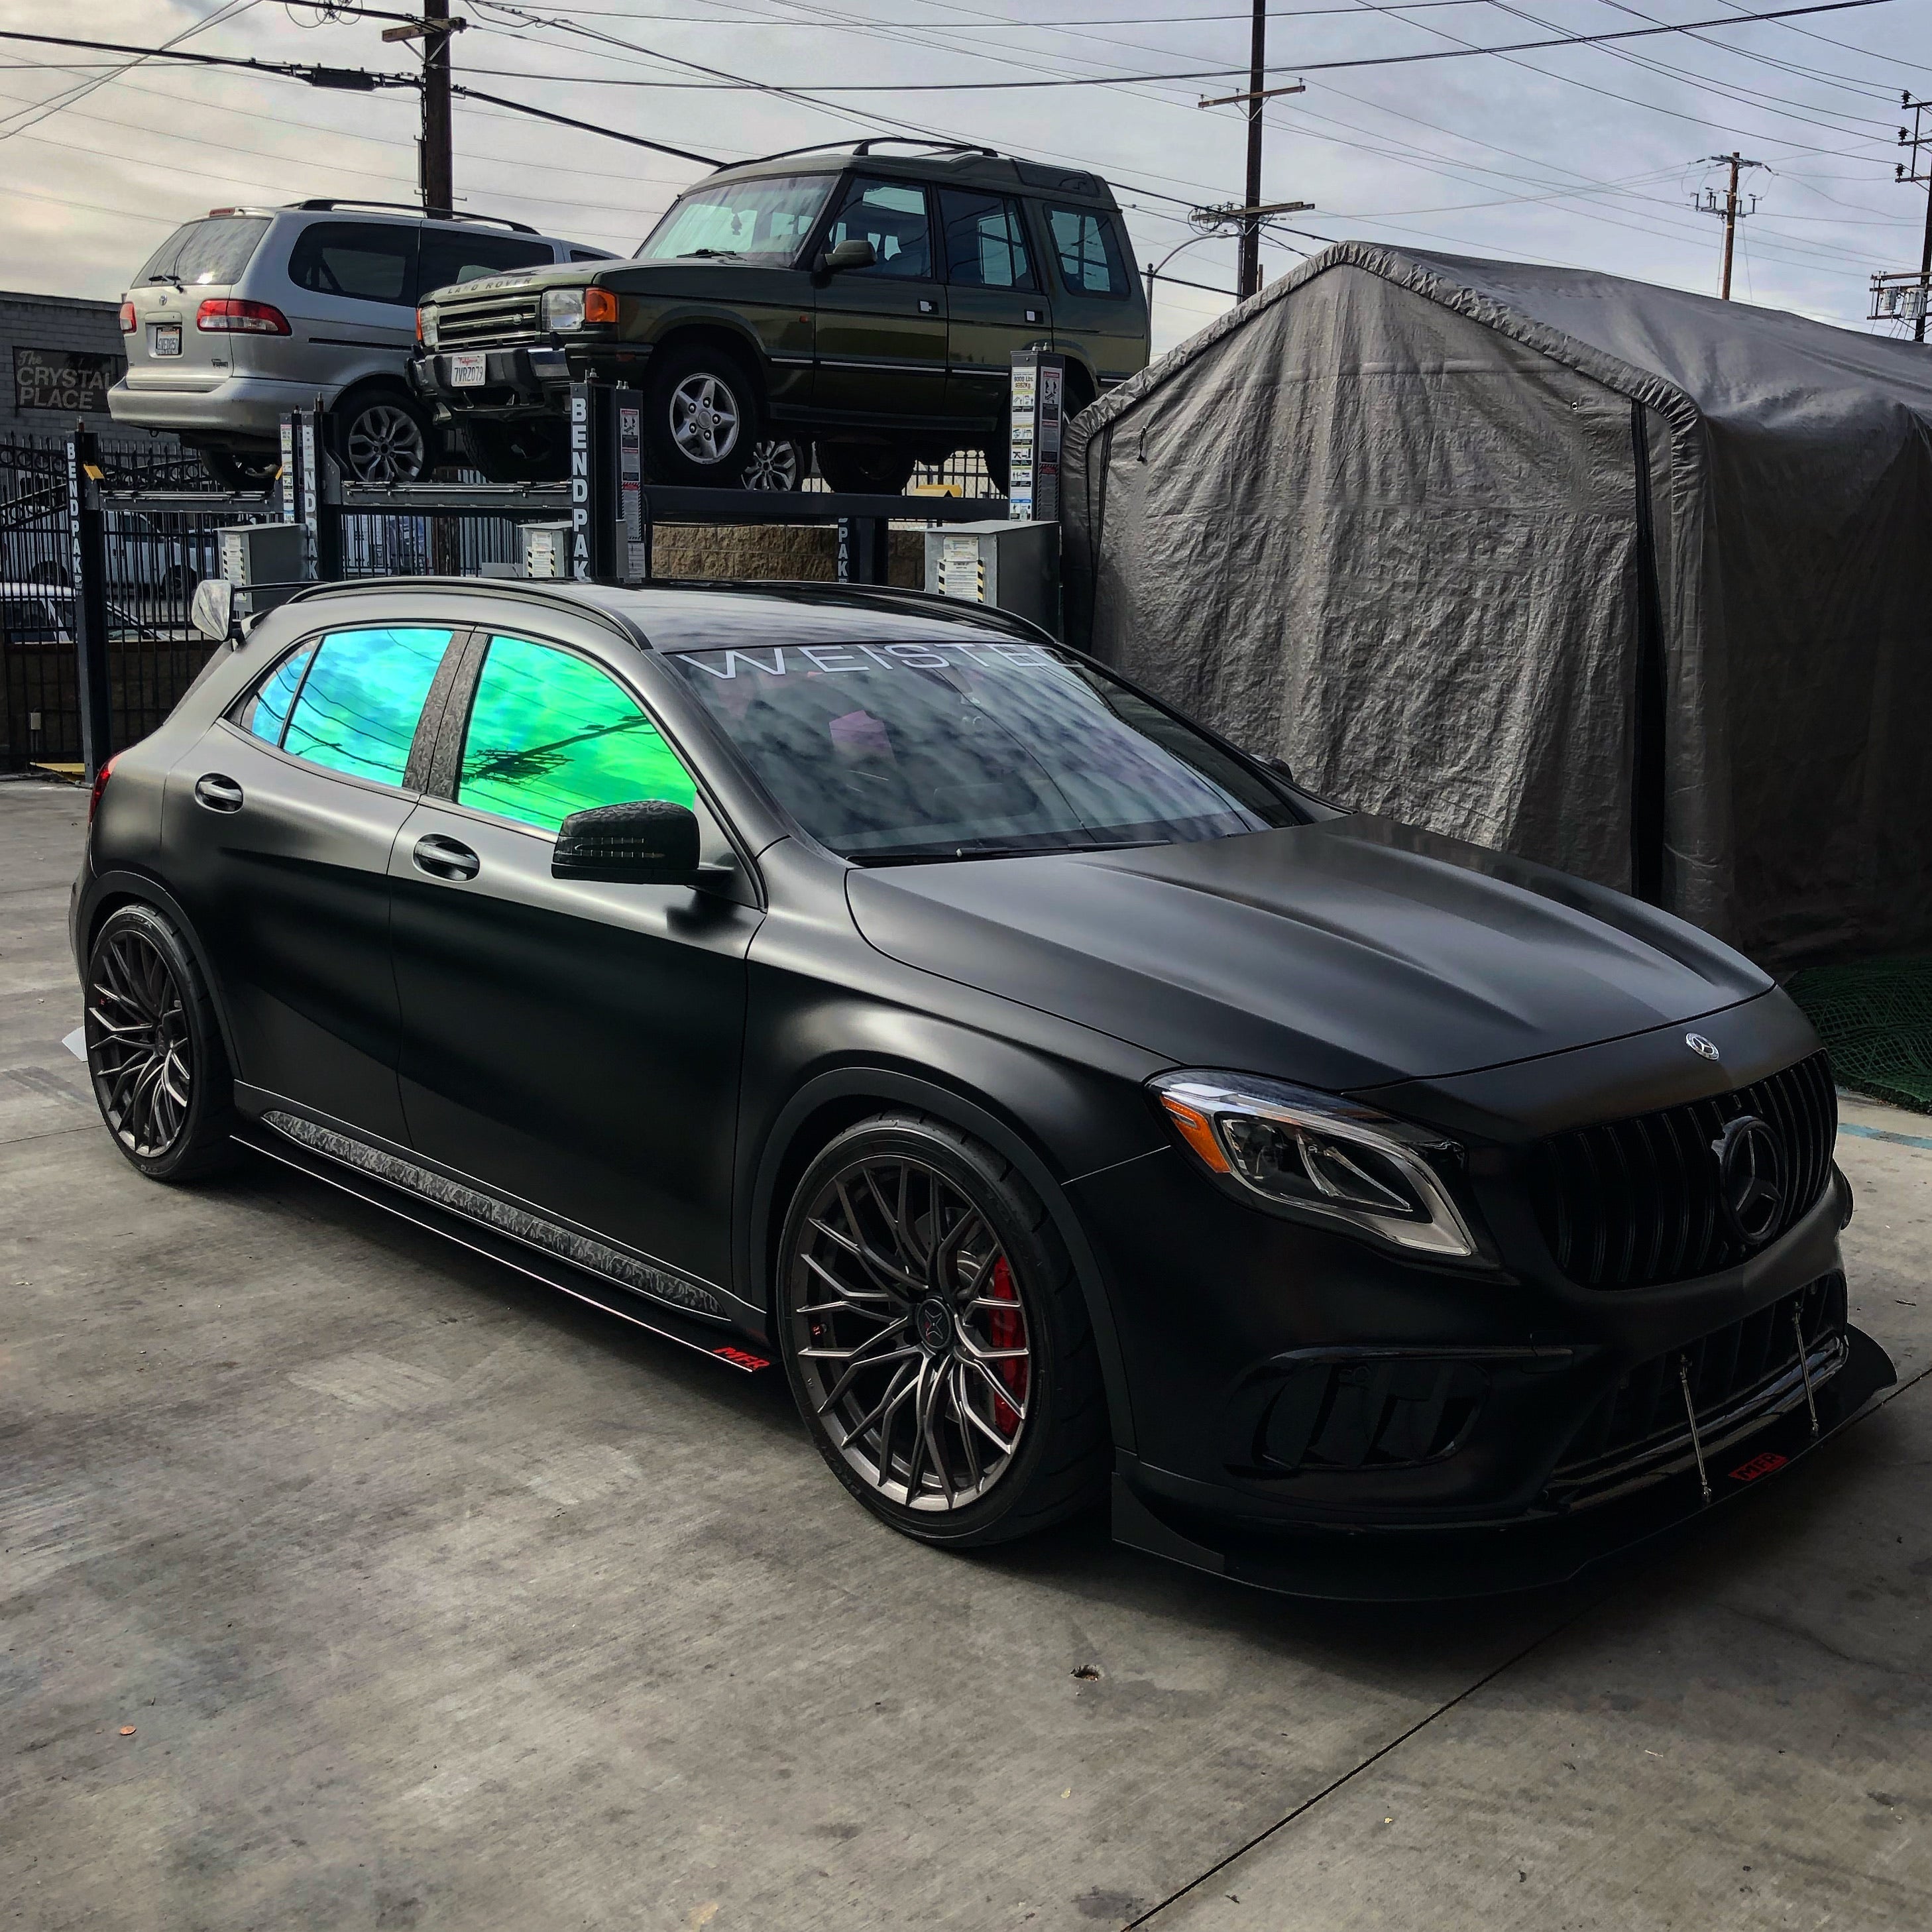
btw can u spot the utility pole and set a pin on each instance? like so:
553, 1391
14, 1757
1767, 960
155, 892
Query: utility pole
1730, 210
435, 171
1249, 278
1917, 138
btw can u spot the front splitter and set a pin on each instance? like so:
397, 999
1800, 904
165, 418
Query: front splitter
1421, 1565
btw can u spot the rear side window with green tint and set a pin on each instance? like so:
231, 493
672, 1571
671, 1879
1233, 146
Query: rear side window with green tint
549, 734
359, 706
264, 712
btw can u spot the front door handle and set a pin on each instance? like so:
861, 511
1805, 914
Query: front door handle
217, 793
927, 307
443, 858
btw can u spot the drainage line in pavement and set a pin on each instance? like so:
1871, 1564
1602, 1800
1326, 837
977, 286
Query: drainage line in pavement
1422, 1724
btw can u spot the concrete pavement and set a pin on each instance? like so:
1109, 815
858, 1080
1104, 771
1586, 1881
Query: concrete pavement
434, 1600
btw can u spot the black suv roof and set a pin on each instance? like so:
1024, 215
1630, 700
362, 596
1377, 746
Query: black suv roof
976, 167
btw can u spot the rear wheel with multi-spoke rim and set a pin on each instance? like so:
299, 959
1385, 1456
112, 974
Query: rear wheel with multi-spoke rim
154, 1054
935, 1336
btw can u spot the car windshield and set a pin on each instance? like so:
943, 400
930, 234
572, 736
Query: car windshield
211, 252
762, 221
920, 751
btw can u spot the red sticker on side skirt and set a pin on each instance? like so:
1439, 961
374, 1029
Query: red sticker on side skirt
739, 1359
1759, 1465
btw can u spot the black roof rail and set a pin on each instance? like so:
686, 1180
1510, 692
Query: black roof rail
864, 147
324, 202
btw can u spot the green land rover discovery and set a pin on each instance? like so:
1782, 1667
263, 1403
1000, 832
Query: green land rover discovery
870, 305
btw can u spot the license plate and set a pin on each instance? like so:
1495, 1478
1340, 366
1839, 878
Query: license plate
164, 339
470, 369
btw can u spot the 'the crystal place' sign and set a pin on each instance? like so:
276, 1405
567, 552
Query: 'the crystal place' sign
72, 381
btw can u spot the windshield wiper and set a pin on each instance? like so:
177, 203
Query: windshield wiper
710, 254
924, 855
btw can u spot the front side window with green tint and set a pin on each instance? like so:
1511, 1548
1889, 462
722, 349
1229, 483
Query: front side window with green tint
550, 735
358, 706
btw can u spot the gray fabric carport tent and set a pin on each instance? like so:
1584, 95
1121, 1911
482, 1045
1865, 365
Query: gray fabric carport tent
1632, 581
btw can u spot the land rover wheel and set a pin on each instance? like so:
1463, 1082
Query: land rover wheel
703, 421
870, 468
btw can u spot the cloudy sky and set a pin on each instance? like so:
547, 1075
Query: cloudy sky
1590, 156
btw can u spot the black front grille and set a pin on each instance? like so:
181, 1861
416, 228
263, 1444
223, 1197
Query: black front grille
1739, 1374
497, 319
1368, 1412
1632, 1203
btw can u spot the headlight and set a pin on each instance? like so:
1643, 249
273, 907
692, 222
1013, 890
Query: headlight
563, 308
1333, 1159
426, 319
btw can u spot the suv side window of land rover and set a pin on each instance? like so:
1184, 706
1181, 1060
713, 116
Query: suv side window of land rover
891, 215
351, 703
366, 261
1088, 250
549, 734
985, 241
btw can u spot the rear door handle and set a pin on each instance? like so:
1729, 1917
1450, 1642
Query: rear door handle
926, 307
443, 858
217, 793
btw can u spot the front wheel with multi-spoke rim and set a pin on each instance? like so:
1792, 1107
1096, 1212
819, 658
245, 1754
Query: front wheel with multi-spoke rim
154, 1052
935, 1336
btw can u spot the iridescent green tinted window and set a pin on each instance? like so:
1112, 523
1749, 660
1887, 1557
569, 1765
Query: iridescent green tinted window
361, 699
265, 711
550, 735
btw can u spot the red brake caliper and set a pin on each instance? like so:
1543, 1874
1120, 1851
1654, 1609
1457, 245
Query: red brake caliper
1007, 1330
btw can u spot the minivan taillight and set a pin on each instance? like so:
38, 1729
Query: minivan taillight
128, 324
100, 779
227, 314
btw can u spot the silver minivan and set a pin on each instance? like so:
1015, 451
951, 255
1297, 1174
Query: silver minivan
248, 313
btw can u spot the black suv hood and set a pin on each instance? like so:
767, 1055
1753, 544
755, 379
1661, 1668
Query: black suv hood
1346, 954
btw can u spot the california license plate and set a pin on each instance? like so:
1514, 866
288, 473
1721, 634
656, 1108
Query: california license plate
470, 369
164, 339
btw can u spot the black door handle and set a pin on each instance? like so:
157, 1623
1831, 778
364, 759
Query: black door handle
444, 858
217, 793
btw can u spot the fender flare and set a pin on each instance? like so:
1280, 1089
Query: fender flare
122, 885
889, 1088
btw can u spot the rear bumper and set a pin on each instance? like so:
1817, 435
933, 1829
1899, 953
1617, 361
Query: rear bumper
243, 409
1416, 1564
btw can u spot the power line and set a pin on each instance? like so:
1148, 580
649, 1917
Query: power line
1123, 79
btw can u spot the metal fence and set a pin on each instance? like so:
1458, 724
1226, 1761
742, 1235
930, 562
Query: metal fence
140, 522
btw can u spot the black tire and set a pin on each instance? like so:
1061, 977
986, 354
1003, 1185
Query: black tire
384, 436
700, 398
997, 457
235, 470
528, 449
871, 469
161, 1075
997, 1277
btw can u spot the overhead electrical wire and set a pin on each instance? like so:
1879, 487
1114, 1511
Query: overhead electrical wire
1198, 73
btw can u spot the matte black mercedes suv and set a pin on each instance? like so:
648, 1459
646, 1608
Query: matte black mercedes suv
865, 981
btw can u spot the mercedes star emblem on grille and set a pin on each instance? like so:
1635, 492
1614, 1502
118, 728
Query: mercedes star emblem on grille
1697, 1043
1750, 1178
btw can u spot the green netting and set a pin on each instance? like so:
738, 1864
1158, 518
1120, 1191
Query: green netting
1875, 1020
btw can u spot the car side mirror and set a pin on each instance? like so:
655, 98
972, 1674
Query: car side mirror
212, 611
849, 254
647, 842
